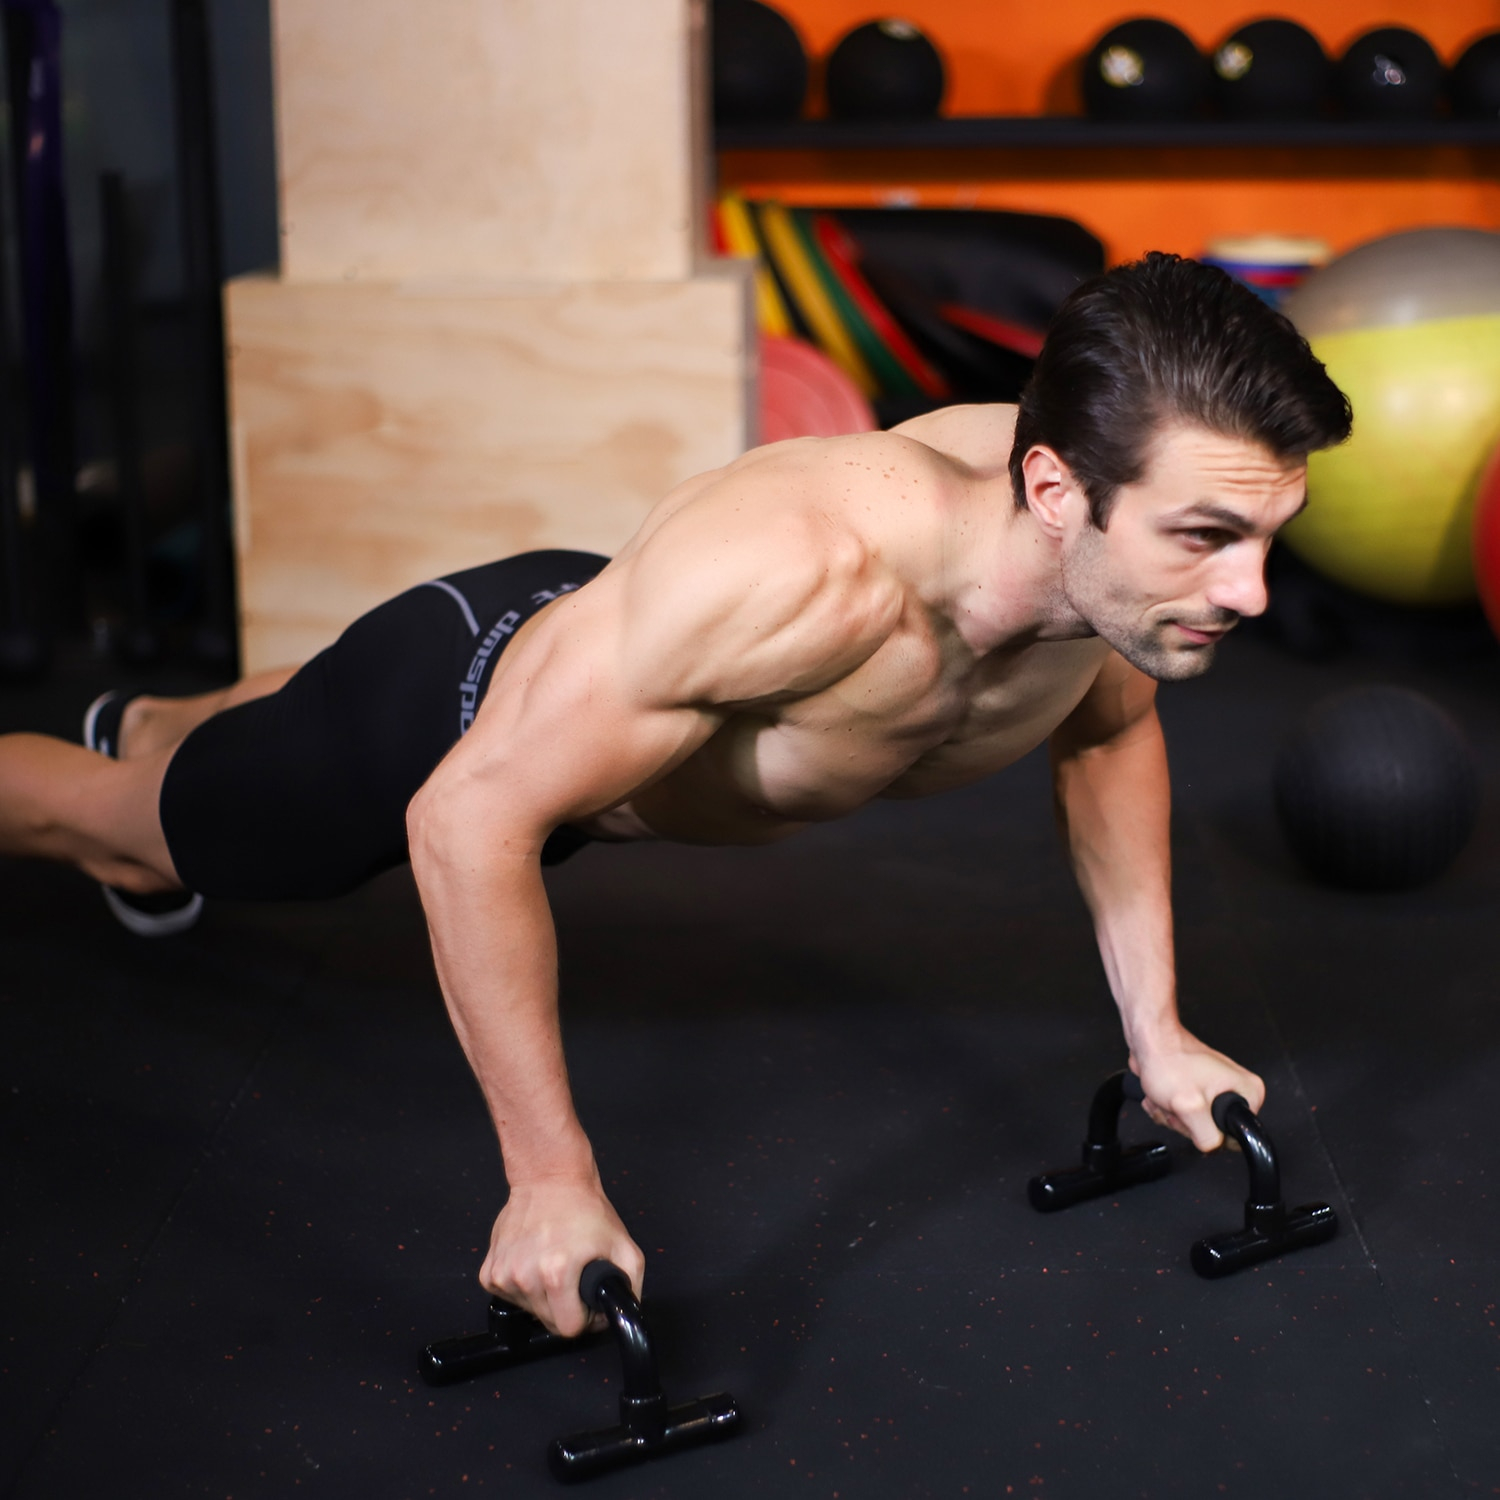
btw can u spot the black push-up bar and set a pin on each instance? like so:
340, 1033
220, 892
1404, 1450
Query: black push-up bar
648, 1426
1271, 1228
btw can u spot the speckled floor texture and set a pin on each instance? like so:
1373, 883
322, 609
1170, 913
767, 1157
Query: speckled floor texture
247, 1174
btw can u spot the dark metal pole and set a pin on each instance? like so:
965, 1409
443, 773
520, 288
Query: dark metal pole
23, 648
138, 642
202, 268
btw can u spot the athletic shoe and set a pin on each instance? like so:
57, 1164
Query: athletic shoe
163, 913
101, 724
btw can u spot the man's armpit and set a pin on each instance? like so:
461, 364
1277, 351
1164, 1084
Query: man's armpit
1120, 697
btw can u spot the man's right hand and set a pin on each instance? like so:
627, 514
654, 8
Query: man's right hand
1181, 1082
548, 1231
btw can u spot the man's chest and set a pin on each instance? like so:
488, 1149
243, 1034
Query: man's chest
914, 724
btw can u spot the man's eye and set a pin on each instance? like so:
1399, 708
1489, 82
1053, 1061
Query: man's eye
1205, 536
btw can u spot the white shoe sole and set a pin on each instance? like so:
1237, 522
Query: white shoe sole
91, 720
141, 923
148, 924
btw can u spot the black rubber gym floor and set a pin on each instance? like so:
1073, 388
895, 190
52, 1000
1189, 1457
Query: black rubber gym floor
247, 1174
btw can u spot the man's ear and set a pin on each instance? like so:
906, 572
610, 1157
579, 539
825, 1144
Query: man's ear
1049, 486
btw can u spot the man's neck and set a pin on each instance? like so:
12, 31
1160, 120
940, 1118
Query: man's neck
1006, 589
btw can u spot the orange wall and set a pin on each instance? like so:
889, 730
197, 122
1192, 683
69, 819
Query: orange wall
1020, 57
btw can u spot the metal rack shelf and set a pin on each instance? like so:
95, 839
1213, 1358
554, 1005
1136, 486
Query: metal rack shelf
1033, 131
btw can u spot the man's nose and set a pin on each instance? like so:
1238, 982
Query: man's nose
1239, 583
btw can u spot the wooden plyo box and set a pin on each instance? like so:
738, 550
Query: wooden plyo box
546, 140
386, 434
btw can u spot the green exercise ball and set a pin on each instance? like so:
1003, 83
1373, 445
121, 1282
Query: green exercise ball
1409, 328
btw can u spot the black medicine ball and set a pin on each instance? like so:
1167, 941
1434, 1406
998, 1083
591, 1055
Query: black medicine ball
759, 67
1270, 70
885, 70
1376, 789
1389, 74
1145, 69
1474, 83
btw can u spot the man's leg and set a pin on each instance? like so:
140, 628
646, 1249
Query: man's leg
59, 801
62, 802
150, 725
287, 786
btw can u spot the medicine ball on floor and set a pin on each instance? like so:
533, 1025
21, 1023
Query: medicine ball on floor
885, 70
759, 67
1376, 789
1390, 73
1270, 70
1145, 69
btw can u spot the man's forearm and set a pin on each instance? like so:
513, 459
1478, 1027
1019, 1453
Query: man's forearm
1113, 801
1114, 806
495, 949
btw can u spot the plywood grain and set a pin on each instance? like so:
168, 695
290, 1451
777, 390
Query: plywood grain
545, 139
383, 434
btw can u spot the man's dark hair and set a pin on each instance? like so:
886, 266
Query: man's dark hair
1165, 339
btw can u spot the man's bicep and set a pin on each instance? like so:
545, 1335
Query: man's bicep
1120, 698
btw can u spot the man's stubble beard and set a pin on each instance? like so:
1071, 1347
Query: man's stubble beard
1118, 622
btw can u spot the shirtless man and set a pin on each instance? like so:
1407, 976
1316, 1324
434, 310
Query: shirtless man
818, 624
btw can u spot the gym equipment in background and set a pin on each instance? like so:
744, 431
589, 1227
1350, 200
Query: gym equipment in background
1271, 69
1269, 264
1270, 1229
796, 269
735, 233
1487, 541
648, 1427
1144, 69
1376, 789
759, 65
884, 70
975, 288
1474, 80
804, 394
24, 655
919, 307
24, 649
1409, 327
842, 257
33, 45
889, 373
1390, 73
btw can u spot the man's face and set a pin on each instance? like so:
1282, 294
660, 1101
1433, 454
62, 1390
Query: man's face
1183, 555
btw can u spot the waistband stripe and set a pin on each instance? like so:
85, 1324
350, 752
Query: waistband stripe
463, 604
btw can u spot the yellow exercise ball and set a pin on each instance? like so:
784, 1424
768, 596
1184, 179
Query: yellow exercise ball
1409, 327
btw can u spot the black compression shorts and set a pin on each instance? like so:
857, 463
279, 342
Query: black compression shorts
303, 793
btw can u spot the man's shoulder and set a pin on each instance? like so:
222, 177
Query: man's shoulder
830, 519
764, 580
768, 547
978, 437
861, 485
